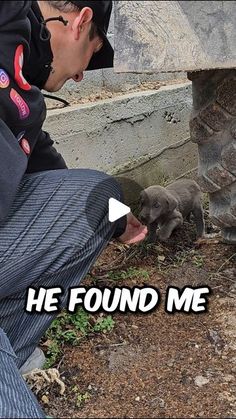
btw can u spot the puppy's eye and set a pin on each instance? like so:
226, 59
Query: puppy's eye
156, 205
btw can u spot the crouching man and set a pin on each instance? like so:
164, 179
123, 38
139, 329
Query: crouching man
49, 235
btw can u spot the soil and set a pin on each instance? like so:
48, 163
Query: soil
157, 365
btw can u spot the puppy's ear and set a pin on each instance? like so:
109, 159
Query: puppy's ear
171, 202
141, 198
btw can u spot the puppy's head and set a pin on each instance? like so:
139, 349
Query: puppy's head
155, 202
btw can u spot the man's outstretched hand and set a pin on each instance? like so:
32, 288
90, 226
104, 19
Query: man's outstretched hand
134, 232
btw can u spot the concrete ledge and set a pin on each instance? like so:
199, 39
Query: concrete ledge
96, 81
143, 135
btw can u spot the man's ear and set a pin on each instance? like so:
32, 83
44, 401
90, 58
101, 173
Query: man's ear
171, 202
85, 16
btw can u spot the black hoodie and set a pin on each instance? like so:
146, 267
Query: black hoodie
25, 58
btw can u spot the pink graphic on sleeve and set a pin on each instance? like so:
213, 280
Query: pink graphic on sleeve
18, 64
4, 79
20, 103
25, 145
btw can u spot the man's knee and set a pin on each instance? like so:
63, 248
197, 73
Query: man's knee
95, 188
99, 192
88, 192
98, 182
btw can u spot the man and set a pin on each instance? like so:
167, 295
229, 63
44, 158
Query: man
49, 235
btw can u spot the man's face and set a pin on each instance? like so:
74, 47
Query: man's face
72, 49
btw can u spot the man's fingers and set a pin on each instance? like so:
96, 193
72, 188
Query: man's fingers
131, 219
135, 231
137, 235
136, 239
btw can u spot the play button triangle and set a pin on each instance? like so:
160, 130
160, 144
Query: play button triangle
117, 210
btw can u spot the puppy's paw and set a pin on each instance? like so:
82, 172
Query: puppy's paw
152, 238
162, 237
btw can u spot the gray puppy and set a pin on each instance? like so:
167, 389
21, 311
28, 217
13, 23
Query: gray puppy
165, 208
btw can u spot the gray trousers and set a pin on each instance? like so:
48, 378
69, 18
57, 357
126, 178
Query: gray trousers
51, 238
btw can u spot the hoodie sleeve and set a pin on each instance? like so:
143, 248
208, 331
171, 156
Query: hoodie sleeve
45, 156
13, 164
22, 107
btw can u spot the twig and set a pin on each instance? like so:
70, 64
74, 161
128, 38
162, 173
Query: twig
60, 362
118, 344
220, 276
108, 268
223, 264
105, 345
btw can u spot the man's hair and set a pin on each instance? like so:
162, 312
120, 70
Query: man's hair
68, 7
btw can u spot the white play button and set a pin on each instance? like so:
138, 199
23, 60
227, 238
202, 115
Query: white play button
117, 210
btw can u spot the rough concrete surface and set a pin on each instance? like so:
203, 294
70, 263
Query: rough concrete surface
174, 35
123, 133
98, 80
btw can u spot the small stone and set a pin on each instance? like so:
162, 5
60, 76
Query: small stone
228, 378
122, 327
200, 380
161, 403
45, 399
134, 326
201, 414
157, 401
137, 399
89, 387
170, 363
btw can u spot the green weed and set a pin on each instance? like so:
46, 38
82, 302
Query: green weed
71, 329
198, 261
80, 397
128, 274
104, 325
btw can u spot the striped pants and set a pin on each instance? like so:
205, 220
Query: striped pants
56, 229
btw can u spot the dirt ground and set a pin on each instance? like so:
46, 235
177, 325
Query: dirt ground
156, 365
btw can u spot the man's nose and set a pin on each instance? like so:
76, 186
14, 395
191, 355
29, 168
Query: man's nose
79, 77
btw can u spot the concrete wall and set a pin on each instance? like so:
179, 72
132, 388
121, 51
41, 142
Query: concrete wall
142, 135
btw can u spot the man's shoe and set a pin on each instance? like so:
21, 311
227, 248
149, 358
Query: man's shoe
35, 360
